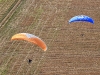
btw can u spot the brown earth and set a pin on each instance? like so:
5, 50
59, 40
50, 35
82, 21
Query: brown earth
73, 49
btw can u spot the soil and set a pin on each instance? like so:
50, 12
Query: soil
73, 49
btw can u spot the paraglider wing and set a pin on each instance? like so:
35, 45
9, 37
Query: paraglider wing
80, 18
31, 38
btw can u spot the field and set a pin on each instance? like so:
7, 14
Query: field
73, 49
5, 7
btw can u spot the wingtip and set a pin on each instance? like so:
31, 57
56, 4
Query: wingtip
45, 49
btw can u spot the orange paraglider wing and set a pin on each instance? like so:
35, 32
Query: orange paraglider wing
30, 38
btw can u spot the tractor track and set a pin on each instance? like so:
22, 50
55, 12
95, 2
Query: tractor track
10, 13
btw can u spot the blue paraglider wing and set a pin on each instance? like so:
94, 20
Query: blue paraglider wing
81, 18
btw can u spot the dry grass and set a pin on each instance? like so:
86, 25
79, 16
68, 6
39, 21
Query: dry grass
72, 49
5, 6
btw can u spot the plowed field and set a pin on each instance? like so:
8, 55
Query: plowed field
73, 49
